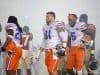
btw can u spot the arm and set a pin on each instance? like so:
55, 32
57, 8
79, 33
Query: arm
38, 53
93, 38
9, 38
91, 30
63, 35
41, 49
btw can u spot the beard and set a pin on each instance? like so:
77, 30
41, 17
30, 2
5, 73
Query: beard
72, 24
48, 22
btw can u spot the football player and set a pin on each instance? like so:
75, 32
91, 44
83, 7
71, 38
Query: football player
75, 56
12, 45
54, 42
90, 61
26, 60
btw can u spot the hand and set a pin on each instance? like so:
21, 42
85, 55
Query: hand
61, 52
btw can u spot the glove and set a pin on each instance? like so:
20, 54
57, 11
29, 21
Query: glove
61, 53
60, 50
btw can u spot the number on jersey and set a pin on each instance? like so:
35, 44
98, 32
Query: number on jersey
73, 36
47, 35
17, 35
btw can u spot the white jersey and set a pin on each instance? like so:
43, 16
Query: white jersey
16, 33
51, 37
76, 33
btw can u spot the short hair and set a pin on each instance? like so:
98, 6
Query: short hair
51, 13
74, 15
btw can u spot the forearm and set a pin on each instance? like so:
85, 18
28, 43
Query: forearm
7, 42
63, 36
39, 51
93, 38
93, 44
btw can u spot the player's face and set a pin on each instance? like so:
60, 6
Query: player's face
10, 32
49, 18
26, 29
72, 20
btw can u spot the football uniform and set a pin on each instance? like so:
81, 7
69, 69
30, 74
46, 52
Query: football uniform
26, 61
14, 46
50, 40
75, 56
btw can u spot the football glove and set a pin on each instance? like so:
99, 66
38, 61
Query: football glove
60, 50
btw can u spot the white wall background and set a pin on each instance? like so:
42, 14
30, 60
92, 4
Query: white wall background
32, 13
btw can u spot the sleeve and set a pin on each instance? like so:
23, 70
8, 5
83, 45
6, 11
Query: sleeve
61, 25
10, 36
63, 34
91, 29
83, 26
